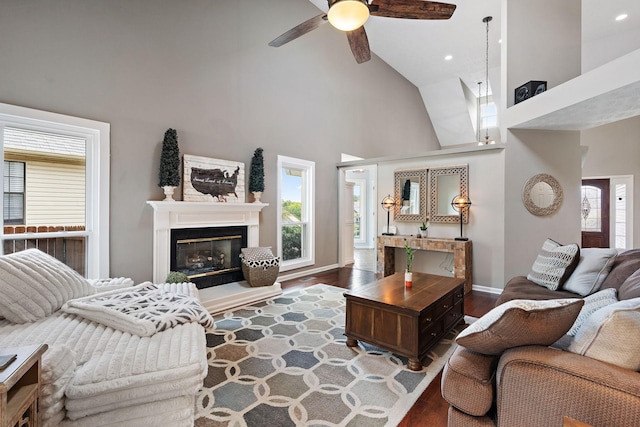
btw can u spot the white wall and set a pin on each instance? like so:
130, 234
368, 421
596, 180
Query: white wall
604, 39
601, 51
447, 106
486, 221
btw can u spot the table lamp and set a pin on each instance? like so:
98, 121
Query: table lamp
460, 203
387, 204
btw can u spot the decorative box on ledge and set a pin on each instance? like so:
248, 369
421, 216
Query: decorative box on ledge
259, 266
529, 89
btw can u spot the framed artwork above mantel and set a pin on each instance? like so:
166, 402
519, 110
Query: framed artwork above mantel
213, 180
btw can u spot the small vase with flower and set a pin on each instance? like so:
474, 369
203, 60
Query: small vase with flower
408, 275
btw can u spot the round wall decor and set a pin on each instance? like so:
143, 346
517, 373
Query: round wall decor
542, 194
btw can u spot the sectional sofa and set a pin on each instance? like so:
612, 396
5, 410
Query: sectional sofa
118, 354
525, 370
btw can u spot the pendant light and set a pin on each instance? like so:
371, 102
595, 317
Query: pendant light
486, 20
479, 115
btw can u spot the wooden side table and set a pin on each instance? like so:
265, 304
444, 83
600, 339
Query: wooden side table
20, 387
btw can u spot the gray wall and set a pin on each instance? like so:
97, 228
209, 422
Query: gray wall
614, 149
529, 153
204, 68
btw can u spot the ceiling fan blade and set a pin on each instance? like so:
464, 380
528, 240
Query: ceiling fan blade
299, 30
411, 9
359, 45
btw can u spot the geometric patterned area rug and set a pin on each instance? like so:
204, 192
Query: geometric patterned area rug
284, 362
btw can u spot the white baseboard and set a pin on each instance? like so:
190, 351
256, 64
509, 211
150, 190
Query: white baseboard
310, 272
487, 289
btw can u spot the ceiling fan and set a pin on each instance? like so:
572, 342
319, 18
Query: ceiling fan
350, 15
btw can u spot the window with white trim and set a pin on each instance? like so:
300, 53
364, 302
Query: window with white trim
66, 187
13, 183
296, 194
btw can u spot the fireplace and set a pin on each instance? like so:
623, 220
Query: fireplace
209, 256
169, 216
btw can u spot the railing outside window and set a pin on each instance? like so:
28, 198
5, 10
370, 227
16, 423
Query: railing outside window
67, 244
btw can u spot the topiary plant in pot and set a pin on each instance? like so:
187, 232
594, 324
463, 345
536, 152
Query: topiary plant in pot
256, 175
169, 176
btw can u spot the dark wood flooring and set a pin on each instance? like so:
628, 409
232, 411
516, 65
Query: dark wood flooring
430, 410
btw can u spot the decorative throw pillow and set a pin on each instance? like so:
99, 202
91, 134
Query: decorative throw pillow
630, 288
554, 264
593, 267
520, 322
263, 263
257, 253
34, 284
612, 334
592, 303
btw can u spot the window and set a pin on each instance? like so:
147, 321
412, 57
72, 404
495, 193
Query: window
488, 113
13, 183
296, 193
359, 211
70, 155
591, 202
357, 216
621, 216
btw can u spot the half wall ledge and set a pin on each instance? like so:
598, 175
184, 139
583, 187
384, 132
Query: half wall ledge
217, 299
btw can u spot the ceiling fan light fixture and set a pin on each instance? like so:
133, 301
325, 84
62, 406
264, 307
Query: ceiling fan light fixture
348, 15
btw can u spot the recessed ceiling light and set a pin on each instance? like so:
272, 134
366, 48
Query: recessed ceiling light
621, 17
448, 58
500, 41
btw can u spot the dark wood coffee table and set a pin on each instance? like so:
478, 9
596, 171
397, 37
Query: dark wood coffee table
406, 321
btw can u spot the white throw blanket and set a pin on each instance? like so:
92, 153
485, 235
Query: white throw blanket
142, 310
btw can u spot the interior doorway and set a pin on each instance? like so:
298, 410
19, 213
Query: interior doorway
607, 212
363, 209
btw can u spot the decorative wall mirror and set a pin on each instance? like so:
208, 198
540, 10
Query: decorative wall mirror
410, 195
444, 184
542, 194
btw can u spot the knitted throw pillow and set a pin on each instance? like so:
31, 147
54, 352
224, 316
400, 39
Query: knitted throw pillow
554, 264
593, 303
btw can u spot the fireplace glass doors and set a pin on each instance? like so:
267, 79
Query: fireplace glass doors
208, 256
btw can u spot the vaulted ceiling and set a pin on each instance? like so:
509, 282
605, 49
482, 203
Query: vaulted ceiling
417, 50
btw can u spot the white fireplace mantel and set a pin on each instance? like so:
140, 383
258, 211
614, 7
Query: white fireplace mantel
169, 215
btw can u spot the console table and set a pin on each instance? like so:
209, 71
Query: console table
461, 250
